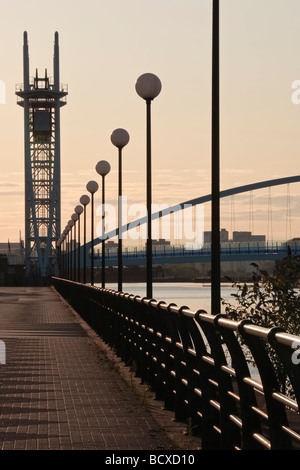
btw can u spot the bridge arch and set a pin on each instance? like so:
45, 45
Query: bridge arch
196, 201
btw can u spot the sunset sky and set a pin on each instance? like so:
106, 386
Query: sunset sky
105, 46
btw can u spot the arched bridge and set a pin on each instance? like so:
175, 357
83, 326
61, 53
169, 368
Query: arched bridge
179, 255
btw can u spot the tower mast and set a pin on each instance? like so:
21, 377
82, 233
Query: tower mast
41, 98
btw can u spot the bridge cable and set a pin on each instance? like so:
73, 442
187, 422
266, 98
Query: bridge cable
232, 215
251, 219
288, 228
270, 218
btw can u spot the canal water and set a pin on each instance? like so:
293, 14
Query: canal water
195, 296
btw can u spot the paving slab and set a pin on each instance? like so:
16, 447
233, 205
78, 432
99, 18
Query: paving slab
62, 388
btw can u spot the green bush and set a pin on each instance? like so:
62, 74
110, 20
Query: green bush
270, 300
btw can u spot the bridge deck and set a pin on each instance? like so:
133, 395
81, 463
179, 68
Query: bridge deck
61, 387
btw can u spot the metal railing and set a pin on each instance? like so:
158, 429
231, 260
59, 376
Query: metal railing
196, 363
180, 254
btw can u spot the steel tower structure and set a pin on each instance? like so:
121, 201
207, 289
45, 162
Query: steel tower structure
41, 98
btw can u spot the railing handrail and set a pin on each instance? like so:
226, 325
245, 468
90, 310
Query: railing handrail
196, 363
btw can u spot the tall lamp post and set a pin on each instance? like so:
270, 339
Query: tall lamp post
120, 138
67, 229
60, 245
215, 168
92, 187
148, 86
74, 217
58, 248
71, 224
65, 233
84, 200
78, 210
60, 252
103, 168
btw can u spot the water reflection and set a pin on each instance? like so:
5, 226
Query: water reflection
196, 296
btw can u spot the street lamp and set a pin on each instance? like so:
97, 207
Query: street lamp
148, 86
71, 224
92, 187
61, 257
65, 233
58, 248
84, 200
120, 138
215, 168
67, 229
74, 217
78, 209
103, 168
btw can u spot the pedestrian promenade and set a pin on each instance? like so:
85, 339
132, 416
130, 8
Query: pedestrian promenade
62, 388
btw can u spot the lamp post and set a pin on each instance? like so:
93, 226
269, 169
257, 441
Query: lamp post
71, 224
215, 168
103, 168
60, 245
148, 86
65, 233
67, 229
58, 248
60, 253
74, 217
78, 209
84, 200
92, 187
120, 138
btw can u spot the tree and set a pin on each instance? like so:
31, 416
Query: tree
270, 300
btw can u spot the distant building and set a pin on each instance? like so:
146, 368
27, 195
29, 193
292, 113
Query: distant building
12, 263
237, 236
161, 242
247, 237
13, 251
111, 244
224, 236
258, 238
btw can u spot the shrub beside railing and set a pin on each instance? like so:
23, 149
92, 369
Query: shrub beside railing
196, 364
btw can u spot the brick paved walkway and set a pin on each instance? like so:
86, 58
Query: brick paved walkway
58, 390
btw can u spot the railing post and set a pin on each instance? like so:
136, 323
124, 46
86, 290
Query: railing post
277, 417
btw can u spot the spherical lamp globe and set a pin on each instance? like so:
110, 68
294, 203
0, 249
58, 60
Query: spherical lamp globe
103, 167
92, 186
148, 86
85, 199
78, 209
119, 138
